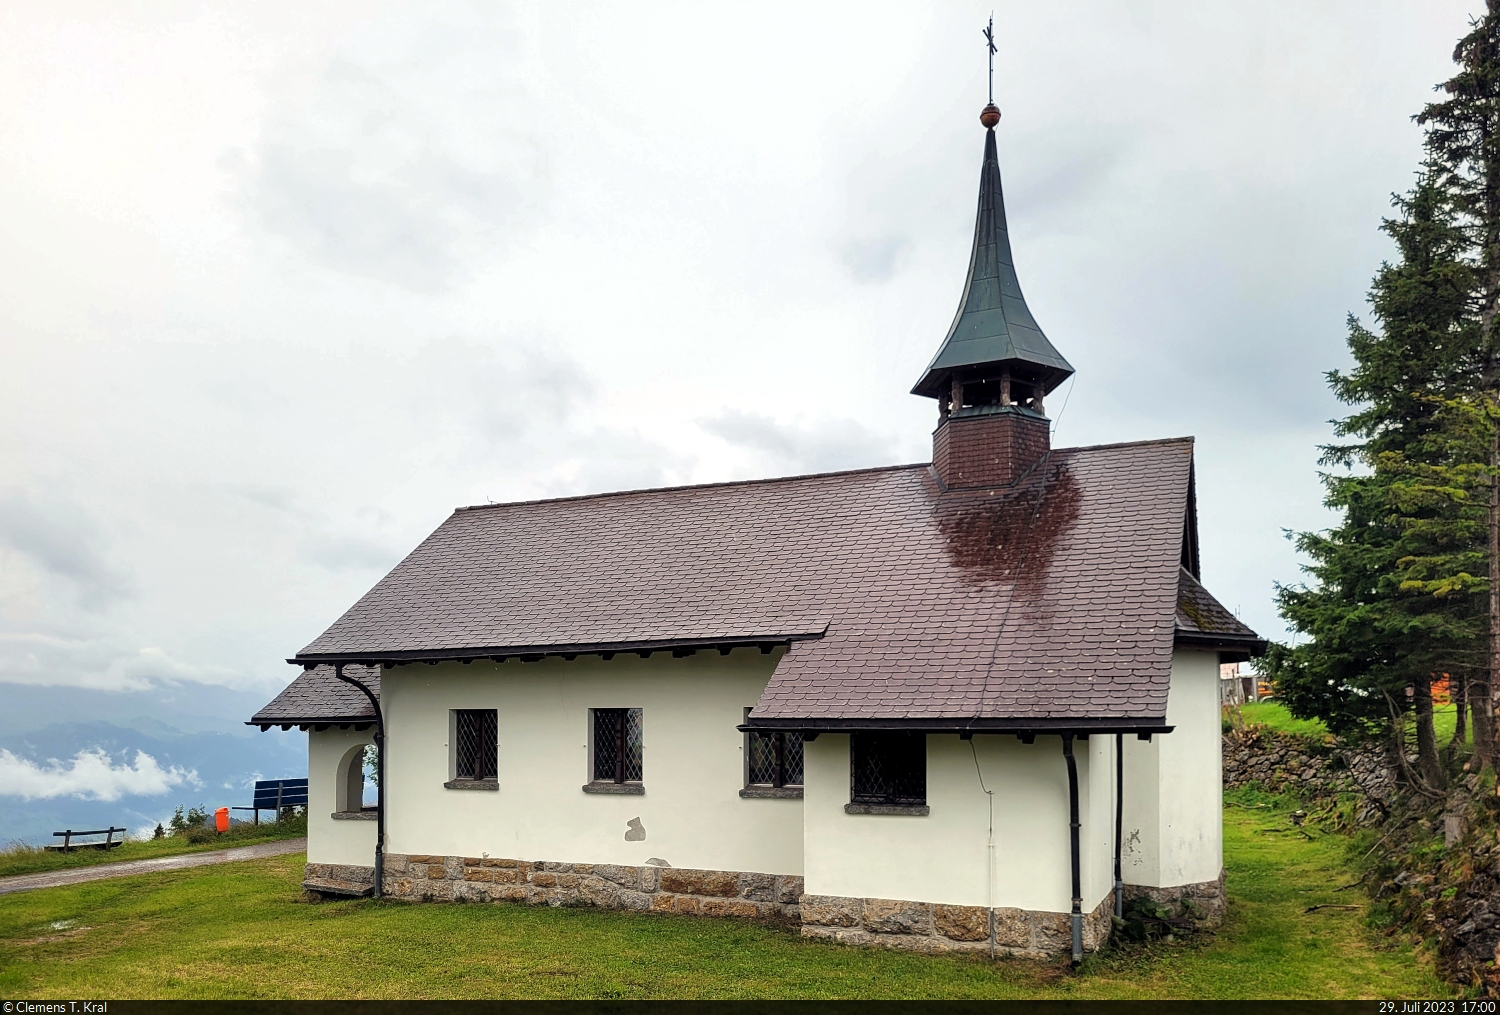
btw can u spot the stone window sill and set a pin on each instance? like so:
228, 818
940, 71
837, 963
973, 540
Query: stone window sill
771, 793
916, 810
482, 784
626, 788
365, 815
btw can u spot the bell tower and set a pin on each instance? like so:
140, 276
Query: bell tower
995, 367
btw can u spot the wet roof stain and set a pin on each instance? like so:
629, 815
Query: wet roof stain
1009, 535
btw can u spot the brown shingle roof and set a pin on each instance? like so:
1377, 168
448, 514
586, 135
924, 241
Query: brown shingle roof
1198, 612
1053, 600
318, 696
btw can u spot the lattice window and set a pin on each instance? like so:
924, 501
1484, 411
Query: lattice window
888, 768
476, 738
775, 759
618, 745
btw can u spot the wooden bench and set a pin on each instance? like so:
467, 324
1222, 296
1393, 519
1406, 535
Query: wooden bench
68, 845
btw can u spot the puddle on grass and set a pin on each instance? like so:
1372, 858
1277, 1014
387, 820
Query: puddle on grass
67, 929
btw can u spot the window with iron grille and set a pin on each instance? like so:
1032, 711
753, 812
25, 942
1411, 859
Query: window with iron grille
475, 743
888, 769
617, 745
773, 759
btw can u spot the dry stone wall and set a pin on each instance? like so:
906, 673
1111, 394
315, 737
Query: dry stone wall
1312, 767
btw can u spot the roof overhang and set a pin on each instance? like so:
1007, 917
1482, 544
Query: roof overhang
321, 721
1019, 726
1236, 648
533, 653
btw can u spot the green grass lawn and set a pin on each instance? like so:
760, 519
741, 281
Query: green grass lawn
23, 859
1274, 714
242, 931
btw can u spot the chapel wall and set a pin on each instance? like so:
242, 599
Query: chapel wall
943, 857
691, 812
1173, 815
331, 840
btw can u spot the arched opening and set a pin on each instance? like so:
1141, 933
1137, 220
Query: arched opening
351, 777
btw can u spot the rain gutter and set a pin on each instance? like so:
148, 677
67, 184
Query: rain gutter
1076, 917
338, 671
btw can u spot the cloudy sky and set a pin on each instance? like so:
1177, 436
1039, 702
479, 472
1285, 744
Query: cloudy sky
282, 284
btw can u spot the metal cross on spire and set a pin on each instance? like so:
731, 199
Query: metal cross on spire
989, 38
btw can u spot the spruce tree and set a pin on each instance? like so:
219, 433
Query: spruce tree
1393, 601
1464, 142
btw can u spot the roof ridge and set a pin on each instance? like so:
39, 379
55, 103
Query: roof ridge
1189, 439
780, 479
690, 486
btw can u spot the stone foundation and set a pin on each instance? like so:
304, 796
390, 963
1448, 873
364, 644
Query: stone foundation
929, 927
882, 923
608, 886
1204, 902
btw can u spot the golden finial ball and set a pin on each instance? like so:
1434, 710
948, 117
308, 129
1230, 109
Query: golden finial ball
990, 116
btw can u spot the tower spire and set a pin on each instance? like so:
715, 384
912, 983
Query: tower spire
994, 345
994, 367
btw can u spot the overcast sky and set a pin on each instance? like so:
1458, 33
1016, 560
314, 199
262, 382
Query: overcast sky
282, 284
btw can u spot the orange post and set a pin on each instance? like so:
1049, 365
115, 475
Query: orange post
221, 819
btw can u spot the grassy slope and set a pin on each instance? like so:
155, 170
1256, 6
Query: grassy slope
1275, 715
241, 931
21, 859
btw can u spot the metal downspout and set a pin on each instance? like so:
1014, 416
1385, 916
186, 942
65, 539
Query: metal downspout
1077, 915
338, 671
1119, 821
989, 844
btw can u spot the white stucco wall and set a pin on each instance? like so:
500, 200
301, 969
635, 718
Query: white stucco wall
943, 857
693, 814
693, 761
329, 840
1174, 824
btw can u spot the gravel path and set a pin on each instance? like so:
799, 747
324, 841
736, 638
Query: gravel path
74, 875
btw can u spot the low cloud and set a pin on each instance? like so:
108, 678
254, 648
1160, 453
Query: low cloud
105, 663
403, 163
875, 259
825, 446
62, 541
90, 775
344, 552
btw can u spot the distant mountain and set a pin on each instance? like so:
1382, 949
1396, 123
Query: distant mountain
193, 728
191, 708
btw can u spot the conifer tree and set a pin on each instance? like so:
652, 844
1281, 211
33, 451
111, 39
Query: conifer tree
1464, 142
1394, 600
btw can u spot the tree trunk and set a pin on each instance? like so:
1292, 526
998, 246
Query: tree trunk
1458, 693
1481, 718
1395, 747
1429, 765
1494, 555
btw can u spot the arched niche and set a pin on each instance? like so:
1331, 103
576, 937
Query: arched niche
350, 779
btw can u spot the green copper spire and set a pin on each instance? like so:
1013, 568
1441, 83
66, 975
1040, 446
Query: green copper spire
993, 334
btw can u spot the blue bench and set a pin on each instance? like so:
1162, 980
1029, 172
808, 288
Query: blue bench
274, 794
